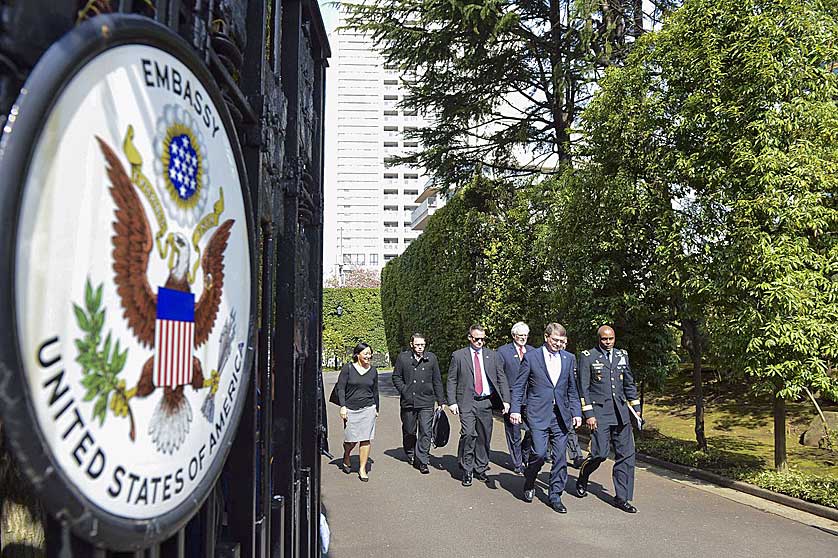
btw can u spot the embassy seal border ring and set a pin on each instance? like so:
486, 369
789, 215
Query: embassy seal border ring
44, 86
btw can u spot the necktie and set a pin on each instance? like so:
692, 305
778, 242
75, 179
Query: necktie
520, 353
478, 375
610, 361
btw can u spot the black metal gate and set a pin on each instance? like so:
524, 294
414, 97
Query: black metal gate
268, 58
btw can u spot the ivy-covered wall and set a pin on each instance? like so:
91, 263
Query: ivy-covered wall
360, 320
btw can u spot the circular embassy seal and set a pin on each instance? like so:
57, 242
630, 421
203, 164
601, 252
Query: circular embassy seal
129, 290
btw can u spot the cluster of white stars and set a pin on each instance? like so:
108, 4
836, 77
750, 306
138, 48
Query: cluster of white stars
183, 166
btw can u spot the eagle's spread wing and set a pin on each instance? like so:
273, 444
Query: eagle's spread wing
132, 244
213, 265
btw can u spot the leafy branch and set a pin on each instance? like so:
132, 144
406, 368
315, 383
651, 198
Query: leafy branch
101, 366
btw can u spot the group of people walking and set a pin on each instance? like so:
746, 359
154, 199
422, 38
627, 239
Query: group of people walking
543, 388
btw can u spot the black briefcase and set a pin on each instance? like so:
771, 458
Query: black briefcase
440, 429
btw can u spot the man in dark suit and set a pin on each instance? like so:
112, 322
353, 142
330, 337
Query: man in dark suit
474, 379
417, 378
548, 380
511, 356
607, 389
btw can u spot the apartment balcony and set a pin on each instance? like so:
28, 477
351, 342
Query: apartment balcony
420, 216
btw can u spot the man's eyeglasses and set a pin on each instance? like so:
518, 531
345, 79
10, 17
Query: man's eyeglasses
477, 339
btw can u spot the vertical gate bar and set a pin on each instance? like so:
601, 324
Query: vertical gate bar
174, 546
240, 464
289, 398
126, 6
313, 370
59, 539
247, 516
209, 518
152, 552
174, 15
162, 11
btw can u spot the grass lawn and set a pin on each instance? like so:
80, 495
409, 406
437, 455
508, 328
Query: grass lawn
739, 426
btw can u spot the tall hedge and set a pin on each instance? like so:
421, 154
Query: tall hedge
471, 265
500, 252
360, 320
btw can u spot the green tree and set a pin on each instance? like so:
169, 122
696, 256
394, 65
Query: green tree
504, 79
349, 317
729, 115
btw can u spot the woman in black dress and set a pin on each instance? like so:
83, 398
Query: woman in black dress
357, 390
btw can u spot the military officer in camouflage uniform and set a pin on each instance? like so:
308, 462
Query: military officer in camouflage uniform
606, 389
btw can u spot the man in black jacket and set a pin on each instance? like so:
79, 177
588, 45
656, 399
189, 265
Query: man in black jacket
419, 383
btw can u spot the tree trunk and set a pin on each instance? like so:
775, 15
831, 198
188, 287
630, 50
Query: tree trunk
781, 461
638, 18
694, 348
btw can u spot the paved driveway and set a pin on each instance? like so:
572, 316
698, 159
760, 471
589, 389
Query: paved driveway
401, 513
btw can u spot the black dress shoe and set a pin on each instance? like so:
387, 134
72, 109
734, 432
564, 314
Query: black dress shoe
481, 476
529, 494
577, 463
581, 488
558, 507
466, 479
423, 468
625, 506
345, 468
519, 470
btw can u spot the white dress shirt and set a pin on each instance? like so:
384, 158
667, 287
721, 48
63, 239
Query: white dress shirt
554, 364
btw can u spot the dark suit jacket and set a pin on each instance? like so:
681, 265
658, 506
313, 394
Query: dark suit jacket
511, 364
541, 395
461, 378
419, 383
602, 383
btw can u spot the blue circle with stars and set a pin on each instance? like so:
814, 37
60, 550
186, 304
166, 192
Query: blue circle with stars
183, 166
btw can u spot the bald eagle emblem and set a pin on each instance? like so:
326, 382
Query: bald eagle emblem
161, 310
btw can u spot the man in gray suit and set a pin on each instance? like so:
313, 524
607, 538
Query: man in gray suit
475, 378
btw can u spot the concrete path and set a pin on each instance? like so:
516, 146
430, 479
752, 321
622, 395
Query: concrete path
401, 513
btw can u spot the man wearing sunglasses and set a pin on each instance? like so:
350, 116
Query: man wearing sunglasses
475, 378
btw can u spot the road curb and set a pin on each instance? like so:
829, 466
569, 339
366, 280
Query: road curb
790, 501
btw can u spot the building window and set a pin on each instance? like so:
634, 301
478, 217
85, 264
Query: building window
411, 192
391, 241
391, 81
391, 97
391, 113
391, 144
354, 259
391, 191
391, 128
373, 259
388, 257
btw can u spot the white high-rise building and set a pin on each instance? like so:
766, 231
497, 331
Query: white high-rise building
369, 205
